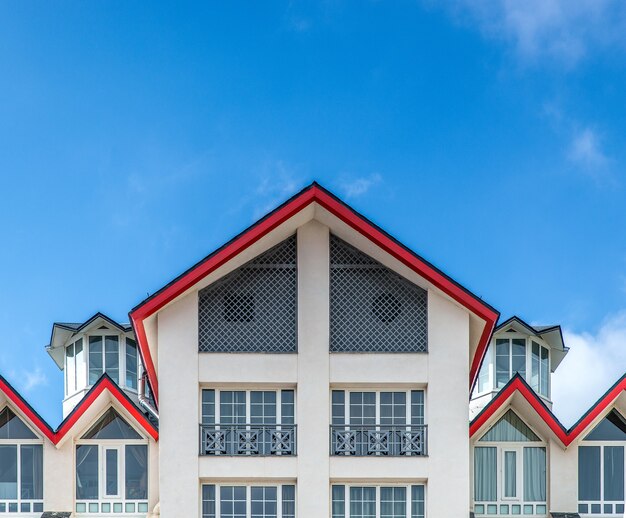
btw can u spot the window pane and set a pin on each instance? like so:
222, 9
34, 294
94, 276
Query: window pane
111, 426
81, 364
263, 407
339, 502
392, 502
31, 464
483, 375
535, 474
611, 428
8, 472
485, 474
131, 363
232, 407
263, 502
12, 427
136, 472
232, 502
510, 428
392, 408
362, 502
95, 358
70, 373
544, 378
112, 358
208, 501
87, 472
110, 459
614, 473
589, 473
417, 407
289, 501
287, 407
535, 361
417, 502
510, 474
339, 407
518, 356
502, 361
208, 406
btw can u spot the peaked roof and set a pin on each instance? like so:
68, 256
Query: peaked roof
105, 383
314, 193
517, 384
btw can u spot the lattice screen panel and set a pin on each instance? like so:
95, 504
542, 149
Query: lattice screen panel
373, 309
254, 308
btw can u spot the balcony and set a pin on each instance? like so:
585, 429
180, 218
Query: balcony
378, 440
248, 439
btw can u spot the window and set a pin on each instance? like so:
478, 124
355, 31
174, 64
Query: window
262, 501
254, 308
372, 308
601, 469
371, 501
484, 375
131, 364
74, 367
104, 357
540, 369
510, 359
21, 466
112, 468
509, 473
378, 422
253, 422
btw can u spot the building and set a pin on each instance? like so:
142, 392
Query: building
314, 367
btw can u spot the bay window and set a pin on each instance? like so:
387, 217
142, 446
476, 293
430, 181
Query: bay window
510, 359
374, 501
112, 468
21, 466
243, 501
540, 369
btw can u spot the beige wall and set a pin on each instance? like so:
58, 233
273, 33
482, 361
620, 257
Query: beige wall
443, 373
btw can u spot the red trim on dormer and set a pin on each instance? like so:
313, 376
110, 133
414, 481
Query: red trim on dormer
104, 383
518, 384
311, 194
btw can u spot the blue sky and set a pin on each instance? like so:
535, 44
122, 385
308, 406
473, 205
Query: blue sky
487, 136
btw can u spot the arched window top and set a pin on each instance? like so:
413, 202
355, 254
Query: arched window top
510, 428
111, 426
611, 428
12, 427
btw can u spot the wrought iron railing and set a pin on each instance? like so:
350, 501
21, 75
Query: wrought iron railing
381, 440
248, 439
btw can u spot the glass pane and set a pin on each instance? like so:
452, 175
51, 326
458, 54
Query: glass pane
12, 427
534, 366
112, 357
510, 474
136, 476
81, 365
263, 407
289, 502
208, 501
544, 372
70, 370
417, 502
111, 426
589, 473
518, 356
339, 503
483, 375
362, 408
8, 472
110, 459
362, 502
339, 407
611, 428
510, 428
614, 473
131, 363
95, 359
502, 361
232, 502
393, 408
31, 472
263, 502
535, 474
232, 407
208, 406
485, 474
392, 502
287, 407
417, 407
87, 472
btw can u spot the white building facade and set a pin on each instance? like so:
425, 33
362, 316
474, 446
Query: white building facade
311, 367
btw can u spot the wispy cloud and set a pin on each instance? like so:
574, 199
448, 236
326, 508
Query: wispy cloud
586, 149
28, 380
561, 30
355, 187
279, 181
593, 364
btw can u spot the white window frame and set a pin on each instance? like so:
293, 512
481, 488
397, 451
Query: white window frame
539, 384
18, 443
602, 501
378, 486
248, 391
377, 391
248, 486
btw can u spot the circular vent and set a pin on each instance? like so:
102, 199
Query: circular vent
386, 307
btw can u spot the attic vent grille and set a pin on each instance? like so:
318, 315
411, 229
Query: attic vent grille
253, 309
373, 309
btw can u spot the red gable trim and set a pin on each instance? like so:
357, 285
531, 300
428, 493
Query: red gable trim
26, 409
518, 384
313, 193
104, 383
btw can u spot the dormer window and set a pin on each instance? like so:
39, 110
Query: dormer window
510, 359
104, 357
540, 369
74, 367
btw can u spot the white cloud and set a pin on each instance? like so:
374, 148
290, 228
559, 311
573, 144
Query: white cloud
28, 380
356, 187
586, 149
564, 30
278, 183
593, 364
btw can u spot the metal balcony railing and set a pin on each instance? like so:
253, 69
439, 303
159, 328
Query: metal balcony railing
378, 440
248, 439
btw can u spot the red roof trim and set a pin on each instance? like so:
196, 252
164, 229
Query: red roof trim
15, 398
104, 383
313, 193
518, 384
